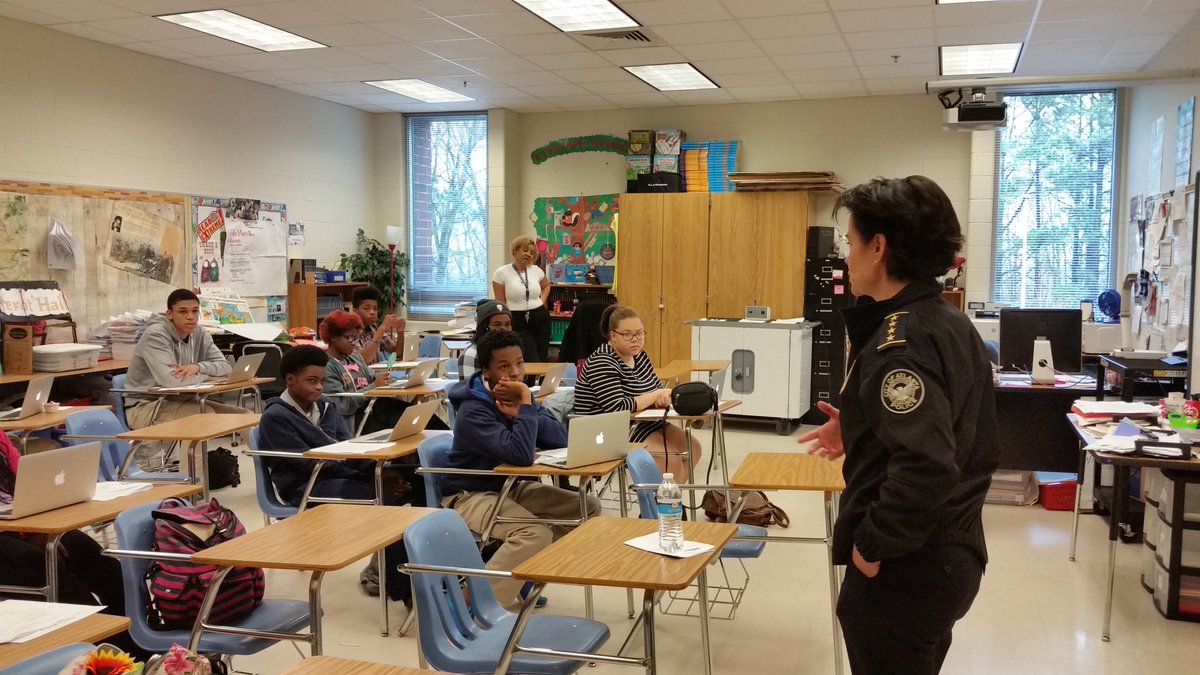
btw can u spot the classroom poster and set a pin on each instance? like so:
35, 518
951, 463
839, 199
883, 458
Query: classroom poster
277, 309
240, 244
14, 237
577, 230
143, 243
1183, 142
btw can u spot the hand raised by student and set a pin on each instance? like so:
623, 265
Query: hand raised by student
183, 372
828, 436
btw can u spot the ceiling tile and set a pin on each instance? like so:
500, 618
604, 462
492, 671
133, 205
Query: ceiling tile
424, 69
803, 45
737, 66
665, 12
539, 44
1141, 43
702, 32
365, 73
292, 14
266, 77
320, 58
413, 30
462, 49
721, 50
1065, 30
1059, 10
207, 45
463, 7
306, 89
503, 24
700, 97
346, 35
1164, 6
790, 26
497, 93
371, 11
1058, 65
586, 75
748, 79
776, 92
146, 29
90, 32
1127, 61
807, 61
889, 87
984, 13
580, 102
883, 57
529, 79
642, 56
885, 19
981, 34
460, 82
811, 75
839, 5
1052, 48
750, 9
212, 63
29, 14
260, 61
160, 49
307, 76
647, 100
832, 89
347, 88
531, 105
389, 53
890, 38
630, 86
497, 64
568, 60
547, 90
171, 6
898, 70
75, 11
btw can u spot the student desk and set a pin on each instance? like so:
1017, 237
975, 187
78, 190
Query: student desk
799, 471
196, 431
679, 368
203, 391
433, 387
718, 434
57, 522
92, 628
537, 369
595, 554
1026, 411
41, 421
328, 665
110, 366
318, 540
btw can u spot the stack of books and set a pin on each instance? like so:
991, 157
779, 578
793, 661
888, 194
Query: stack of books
707, 165
1015, 488
1093, 412
816, 181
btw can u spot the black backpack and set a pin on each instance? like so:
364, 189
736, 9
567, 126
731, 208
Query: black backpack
222, 469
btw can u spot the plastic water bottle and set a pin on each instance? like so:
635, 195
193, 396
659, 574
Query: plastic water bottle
670, 514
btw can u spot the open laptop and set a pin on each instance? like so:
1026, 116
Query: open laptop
412, 422
244, 369
37, 393
418, 376
591, 439
412, 349
54, 478
554, 375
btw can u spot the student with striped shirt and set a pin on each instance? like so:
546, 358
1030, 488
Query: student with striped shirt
619, 376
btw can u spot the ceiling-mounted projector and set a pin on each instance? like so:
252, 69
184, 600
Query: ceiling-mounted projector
975, 114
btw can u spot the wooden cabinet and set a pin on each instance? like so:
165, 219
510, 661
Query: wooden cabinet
307, 302
757, 252
662, 270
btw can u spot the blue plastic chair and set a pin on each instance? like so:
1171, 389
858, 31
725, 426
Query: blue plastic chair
434, 454
570, 374
430, 347
49, 663
118, 383
455, 642
272, 506
96, 423
135, 532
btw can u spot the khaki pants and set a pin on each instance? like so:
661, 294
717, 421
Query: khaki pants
528, 499
149, 413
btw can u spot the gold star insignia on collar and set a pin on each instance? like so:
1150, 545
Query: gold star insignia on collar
894, 334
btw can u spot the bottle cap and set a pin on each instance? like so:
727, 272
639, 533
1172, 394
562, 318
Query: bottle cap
667, 476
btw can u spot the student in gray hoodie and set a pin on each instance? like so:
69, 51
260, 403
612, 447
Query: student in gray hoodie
172, 353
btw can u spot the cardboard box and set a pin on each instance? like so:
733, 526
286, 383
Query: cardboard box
666, 164
668, 141
18, 348
641, 141
636, 165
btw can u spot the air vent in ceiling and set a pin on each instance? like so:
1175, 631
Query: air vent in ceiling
621, 38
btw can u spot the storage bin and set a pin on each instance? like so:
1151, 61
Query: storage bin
1190, 550
1151, 485
1191, 501
1149, 563
1058, 496
1189, 592
67, 356
1152, 522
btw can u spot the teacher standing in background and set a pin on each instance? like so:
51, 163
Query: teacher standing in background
524, 288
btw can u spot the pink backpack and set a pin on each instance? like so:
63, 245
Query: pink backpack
177, 589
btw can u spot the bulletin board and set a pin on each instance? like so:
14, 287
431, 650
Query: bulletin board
1164, 229
127, 252
239, 244
577, 230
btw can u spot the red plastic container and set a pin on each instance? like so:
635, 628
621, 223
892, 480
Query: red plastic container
1058, 496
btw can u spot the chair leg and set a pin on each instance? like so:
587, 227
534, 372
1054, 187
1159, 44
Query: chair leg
408, 622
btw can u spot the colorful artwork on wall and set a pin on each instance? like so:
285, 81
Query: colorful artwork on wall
577, 230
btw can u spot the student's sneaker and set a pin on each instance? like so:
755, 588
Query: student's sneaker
542, 600
369, 579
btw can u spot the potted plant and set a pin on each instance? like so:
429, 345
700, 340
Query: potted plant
372, 262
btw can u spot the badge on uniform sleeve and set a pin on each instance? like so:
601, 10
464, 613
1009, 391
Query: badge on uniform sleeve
902, 391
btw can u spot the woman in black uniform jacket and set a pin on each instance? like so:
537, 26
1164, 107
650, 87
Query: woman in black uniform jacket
918, 428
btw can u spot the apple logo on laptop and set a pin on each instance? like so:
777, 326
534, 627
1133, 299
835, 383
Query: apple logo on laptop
38, 397
60, 478
600, 438
414, 422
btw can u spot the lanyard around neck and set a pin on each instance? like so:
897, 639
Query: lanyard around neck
524, 280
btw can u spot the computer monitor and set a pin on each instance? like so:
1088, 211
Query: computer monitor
1020, 327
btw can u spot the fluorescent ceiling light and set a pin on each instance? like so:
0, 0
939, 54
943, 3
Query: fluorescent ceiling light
673, 77
239, 29
980, 59
420, 90
577, 15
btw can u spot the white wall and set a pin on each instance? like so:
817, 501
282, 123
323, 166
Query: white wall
81, 112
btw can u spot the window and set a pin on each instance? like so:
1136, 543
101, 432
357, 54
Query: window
447, 212
1055, 164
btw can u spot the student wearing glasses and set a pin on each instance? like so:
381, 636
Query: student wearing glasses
620, 376
524, 288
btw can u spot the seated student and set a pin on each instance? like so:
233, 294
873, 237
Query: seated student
85, 576
376, 342
300, 419
620, 376
498, 422
489, 315
172, 353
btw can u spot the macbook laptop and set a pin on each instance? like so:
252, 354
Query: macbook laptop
554, 375
37, 393
245, 368
54, 478
418, 376
411, 349
591, 439
411, 422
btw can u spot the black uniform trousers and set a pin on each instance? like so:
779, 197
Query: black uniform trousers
534, 328
900, 621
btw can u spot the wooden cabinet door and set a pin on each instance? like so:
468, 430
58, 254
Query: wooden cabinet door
781, 220
685, 262
734, 254
639, 262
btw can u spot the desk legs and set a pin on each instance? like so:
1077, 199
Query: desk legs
312, 480
702, 595
648, 597
523, 617
1078, 499
625, 514
1120, 483
51, 589
313, 638
380, 560
585, 483
314, 610
206, 608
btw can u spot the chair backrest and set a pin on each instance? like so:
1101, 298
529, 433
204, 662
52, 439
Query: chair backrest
642, 469
446, 629
118, 382
434, 453
264, 490
49, 663
272, 355
135, 532
570, 374
101, 423
430, 348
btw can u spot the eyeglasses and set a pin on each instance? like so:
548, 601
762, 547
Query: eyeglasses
631, 336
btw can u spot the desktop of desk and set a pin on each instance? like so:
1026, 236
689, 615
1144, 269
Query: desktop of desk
1034, 434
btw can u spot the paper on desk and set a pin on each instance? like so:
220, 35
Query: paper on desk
554, 458
25, 620
689, 549
352, 448
398, 365
188, 387
260, 332
653, 414
109, 490
1091, 407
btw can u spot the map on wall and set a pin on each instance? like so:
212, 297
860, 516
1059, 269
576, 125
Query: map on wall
577, 231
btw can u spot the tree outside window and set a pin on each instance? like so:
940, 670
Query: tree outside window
1054, 199
447, 212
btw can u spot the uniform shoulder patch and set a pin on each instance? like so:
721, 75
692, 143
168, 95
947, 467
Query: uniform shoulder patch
894, 327
902, 391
